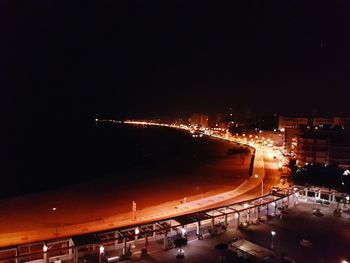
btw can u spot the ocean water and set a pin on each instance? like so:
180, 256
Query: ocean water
49, 160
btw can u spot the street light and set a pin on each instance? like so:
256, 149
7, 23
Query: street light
102, 251
45, 248
273, 233
56, 224
262, 184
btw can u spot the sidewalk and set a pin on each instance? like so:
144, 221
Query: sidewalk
247, 190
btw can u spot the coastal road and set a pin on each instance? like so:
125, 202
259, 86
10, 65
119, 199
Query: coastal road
263, 166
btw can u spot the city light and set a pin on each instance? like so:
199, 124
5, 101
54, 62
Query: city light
273, 233
102, 249
196, 112
45, 248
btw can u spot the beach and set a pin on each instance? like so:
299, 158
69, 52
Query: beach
207, 170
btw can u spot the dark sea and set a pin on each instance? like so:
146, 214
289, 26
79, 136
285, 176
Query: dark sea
52, 159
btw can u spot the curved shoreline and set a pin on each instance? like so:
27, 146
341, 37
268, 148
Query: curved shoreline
251, 190
43, 219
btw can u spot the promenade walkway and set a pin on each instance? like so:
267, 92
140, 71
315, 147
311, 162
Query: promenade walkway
248, 189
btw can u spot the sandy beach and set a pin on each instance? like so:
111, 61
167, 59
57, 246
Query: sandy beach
106, 197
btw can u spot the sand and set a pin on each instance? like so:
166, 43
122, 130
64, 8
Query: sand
105, 197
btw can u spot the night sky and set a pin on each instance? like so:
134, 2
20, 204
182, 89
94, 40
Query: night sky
71, 61
157, 58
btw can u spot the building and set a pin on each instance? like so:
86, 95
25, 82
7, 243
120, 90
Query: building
323, 122
292, 122
324, 147
291, 139
199, 120
340, 154
313, 150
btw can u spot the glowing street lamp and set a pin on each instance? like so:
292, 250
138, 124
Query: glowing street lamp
45, 248
102, 249
273, 233
137, 231
54, 209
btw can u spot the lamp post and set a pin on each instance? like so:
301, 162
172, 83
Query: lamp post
54, 209
101, 254
45, 248
273, 233
262, 184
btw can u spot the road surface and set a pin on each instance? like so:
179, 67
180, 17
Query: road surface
263, 166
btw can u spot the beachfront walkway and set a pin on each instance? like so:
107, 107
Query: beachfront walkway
249, 189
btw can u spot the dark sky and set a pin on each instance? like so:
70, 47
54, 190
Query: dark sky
63, 63
72, 59
76, 60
